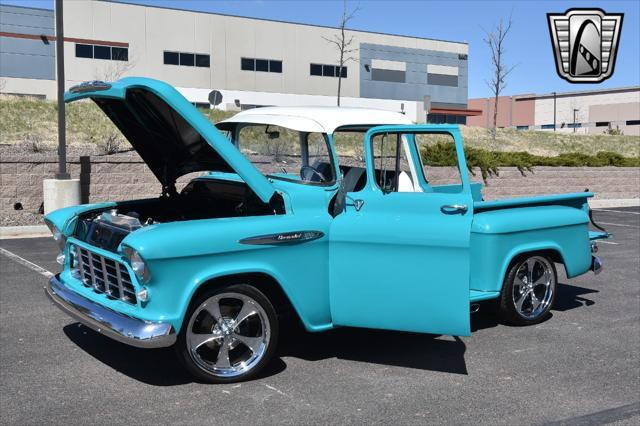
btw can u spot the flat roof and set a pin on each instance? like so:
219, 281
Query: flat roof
576, 93
130, 3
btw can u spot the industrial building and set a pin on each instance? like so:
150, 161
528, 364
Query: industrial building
587, 111
252, 62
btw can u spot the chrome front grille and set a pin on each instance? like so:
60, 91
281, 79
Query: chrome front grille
104, 275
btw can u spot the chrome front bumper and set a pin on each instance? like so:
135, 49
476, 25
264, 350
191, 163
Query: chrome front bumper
120, 327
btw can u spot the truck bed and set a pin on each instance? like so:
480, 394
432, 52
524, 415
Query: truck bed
577, 200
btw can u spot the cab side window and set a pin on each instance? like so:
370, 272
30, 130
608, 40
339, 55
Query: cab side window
439, 162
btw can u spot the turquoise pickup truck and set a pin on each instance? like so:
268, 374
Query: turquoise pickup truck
330, 216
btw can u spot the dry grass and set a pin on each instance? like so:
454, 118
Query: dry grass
21, 118
550, 144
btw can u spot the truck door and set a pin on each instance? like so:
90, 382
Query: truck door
399, 253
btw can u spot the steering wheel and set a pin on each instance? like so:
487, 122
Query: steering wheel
313, 170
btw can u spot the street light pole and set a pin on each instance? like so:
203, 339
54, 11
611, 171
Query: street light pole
554, 111
574, 119
62, 145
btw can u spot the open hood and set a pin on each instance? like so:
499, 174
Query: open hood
169, 133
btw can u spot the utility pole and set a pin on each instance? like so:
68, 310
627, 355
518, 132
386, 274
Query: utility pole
554, 111
62, 191
574, 119
62, 145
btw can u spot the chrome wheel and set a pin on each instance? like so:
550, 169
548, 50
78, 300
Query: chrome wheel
533, 286
228, 334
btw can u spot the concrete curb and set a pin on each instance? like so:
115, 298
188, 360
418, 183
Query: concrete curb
621, 202
32, 231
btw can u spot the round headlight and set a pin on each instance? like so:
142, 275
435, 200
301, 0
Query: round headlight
58, 236
137, 264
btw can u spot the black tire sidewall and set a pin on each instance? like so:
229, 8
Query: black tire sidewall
182, 349
508, 312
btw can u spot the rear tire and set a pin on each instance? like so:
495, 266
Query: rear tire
529, 290
229, 334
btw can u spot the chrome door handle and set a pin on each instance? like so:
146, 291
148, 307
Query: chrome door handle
454, 208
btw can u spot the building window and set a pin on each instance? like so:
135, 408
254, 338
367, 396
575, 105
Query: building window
521, 128
327, 70
547, 126
315, 69
442, 80
262, 65
275, 66
247, 64
102, 52
171, 58
602, 124
119, 54
633, 122
203, 61
186, 59
84, 51
442, 75
574, 125
391, 71
446, 119
392, 76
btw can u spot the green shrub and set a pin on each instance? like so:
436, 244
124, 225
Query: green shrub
489, 162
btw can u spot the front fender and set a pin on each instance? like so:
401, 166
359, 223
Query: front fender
64, 218
183, 256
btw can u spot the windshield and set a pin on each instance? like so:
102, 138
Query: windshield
287, 154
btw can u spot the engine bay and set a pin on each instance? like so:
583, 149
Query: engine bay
200, 199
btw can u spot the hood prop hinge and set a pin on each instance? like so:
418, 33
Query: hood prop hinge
169, 190
168, 183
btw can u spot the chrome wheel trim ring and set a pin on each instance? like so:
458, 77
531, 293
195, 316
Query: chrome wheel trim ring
226, 337
532, 287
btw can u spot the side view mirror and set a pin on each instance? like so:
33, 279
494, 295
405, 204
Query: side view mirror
341, 198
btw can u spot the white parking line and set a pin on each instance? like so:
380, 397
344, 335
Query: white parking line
619, 224
26, 263
615, 211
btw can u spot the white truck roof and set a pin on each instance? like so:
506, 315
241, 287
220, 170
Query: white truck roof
318, 119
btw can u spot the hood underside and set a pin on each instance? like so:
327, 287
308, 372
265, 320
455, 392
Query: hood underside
169, 133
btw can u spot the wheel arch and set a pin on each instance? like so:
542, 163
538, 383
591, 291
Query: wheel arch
552, 251
261, 280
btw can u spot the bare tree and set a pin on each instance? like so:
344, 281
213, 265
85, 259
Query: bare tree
344, 44
113, 70
496, 41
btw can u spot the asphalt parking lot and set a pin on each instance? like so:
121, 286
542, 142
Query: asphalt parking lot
582, 366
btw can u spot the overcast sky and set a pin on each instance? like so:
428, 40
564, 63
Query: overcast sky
528, 47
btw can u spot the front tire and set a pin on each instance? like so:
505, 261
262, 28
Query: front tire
229, 334
529, 290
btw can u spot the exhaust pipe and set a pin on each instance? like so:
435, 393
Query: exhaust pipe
596, 264
475, 307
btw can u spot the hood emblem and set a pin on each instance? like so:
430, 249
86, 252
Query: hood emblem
585, 43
